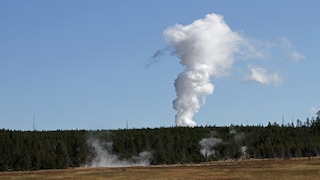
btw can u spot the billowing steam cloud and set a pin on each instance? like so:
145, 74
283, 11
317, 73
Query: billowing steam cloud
206, 48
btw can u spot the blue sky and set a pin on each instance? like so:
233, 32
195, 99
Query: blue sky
81, 64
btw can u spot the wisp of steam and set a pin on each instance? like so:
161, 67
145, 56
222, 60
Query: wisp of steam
205, 48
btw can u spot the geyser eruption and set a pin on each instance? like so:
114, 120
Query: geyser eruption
205, 48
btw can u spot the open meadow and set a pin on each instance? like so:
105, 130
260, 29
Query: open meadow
247, 169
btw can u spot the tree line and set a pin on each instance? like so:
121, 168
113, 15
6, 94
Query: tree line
33, 150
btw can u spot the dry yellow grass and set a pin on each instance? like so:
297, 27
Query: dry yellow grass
248, 169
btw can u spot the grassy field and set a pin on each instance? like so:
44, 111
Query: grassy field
248, 169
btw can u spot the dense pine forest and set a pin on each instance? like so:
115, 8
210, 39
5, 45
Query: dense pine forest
34, 150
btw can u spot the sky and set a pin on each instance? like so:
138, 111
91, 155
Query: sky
92, 64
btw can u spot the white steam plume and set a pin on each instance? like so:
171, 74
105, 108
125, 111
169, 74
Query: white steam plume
243, 151
206, 48
207, 144
104, 158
